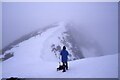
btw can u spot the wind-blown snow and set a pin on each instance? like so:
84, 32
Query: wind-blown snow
34, 59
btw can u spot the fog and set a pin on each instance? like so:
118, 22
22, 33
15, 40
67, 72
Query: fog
97, 21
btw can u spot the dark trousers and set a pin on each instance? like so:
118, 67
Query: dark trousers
65, 66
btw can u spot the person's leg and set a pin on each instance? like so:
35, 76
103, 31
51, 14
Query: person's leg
64, 67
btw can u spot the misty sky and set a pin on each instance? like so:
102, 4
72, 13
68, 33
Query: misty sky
99, 20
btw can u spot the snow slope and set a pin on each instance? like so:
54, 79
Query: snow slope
47, 43
99, 67
36, 58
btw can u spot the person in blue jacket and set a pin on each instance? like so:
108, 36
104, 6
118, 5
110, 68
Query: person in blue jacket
64, 57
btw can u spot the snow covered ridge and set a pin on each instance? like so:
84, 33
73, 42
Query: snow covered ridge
49, 42
58, 37
38, 57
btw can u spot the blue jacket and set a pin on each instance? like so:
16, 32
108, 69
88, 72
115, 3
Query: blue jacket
64, 55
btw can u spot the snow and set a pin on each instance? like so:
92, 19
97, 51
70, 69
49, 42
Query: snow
102, 67
34, 59
1, 56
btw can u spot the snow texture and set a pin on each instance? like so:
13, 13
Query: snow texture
34, 58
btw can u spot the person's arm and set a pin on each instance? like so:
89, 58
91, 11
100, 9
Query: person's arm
61, 53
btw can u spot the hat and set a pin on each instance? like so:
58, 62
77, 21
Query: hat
64, 47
